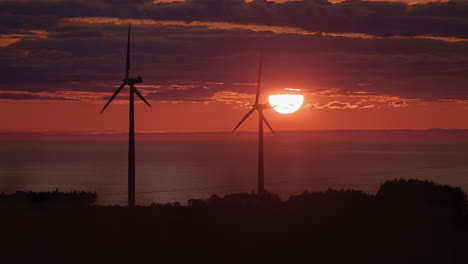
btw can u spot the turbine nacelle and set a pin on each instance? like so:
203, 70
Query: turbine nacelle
262, 106
138, 79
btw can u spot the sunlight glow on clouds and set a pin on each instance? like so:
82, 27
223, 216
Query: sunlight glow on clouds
8, 39
227, 25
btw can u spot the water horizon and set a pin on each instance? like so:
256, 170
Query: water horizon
180, 169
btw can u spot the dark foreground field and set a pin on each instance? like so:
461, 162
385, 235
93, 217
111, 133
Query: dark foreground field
405, 222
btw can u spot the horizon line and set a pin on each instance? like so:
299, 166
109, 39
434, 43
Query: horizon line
91, 132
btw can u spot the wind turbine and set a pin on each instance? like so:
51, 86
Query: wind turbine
131, 127
261, 119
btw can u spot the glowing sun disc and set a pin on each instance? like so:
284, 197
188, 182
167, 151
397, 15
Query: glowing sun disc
286, 103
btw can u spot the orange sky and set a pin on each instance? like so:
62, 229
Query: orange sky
36, 115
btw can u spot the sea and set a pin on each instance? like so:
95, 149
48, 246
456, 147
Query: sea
176, 170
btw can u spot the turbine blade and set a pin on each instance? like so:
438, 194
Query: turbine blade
141, 96
113, 96
127, 68
269, 126
244, 118
257, 96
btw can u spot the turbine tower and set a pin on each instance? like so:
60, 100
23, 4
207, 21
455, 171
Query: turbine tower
261, 119
131, 126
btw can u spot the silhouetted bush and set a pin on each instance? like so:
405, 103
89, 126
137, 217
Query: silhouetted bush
411, 193
238, 200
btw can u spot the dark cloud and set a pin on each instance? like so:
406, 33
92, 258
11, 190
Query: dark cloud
11, 23
378, 18
194, 94
90, 57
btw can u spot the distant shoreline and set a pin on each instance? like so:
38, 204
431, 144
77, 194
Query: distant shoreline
340, 134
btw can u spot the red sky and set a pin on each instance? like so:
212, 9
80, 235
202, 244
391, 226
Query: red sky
201, 76
39, 115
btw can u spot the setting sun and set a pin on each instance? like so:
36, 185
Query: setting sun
286, 103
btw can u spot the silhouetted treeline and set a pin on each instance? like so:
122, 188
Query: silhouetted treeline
407, 221
49, 198
398, 192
